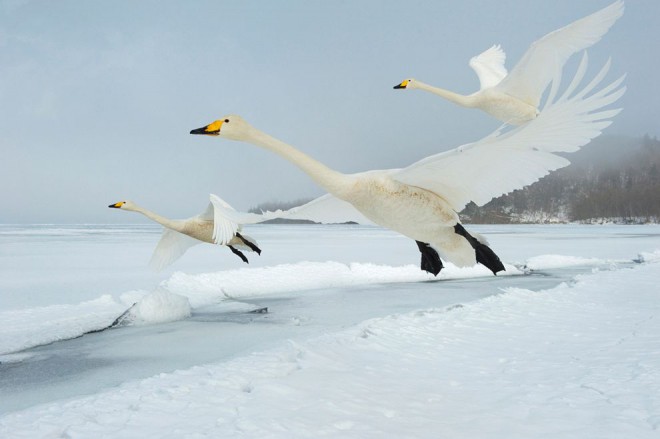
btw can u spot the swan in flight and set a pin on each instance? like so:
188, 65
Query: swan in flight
421, 201
179, 235
327, 209
514, 98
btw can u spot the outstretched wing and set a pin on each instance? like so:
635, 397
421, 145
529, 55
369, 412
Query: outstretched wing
501, 163
172, 246
326, 209
546, 56
489, 66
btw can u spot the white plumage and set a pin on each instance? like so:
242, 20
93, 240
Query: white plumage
210, 226
514, 98
421, 200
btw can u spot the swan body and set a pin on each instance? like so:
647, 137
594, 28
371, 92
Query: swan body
179, 235
493, 101
421, 200
513, 98
329, 209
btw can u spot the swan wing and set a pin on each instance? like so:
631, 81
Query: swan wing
326, 209
226, 220
489, 66
546, 56
503, 162
172, 246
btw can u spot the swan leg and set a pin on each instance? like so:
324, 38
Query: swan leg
253, 247
430, 259
238, 253
483, 253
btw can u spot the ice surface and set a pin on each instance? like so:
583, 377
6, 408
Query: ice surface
376, 348
182, 292
579, 360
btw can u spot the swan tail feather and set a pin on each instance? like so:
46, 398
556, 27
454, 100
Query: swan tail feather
430, 259
483, 253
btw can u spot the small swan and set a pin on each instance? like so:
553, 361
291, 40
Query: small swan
421, 201
514, 98
179, 235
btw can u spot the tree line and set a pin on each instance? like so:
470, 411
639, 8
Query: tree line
613, 179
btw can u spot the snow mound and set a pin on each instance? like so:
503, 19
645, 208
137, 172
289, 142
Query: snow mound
159, 306
653, 256
207, 288
559, 261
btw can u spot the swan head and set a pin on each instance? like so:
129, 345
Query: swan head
125, 205
406, 83
230, 127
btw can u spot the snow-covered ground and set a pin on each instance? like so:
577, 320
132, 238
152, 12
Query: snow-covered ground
358, 341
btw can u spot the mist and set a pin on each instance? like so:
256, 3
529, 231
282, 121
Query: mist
98, 98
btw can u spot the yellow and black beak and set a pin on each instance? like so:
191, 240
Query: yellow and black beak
404, 84
117, 205
212, 129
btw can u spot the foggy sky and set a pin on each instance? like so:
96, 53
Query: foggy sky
97, 98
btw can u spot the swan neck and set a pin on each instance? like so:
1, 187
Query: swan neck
456, 98
166, 222
334, 182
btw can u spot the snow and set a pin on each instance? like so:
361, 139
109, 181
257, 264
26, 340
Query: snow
557, 261
207, 288
649, 256
580, 360
159, 306
358, 341
36, 326
177, 296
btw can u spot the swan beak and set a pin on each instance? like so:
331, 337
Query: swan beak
117, 205
209, 130
404, 84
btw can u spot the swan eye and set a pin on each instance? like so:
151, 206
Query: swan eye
226, 120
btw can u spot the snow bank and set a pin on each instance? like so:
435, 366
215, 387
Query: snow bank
578, 361
177, 296
208, 288
22, 329
542, 262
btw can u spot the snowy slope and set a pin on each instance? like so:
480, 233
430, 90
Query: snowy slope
576, 361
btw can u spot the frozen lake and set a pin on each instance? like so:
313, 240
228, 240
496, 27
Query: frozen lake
57, 282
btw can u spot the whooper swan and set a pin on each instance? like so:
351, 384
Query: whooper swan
179, 235
421, 200
514, 99
331, 210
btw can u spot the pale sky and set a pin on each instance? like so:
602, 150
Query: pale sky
98, 97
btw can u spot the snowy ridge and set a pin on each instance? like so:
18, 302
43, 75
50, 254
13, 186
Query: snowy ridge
208, 288
559, 261
571, 361
31, 327
38, 326
22, 329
